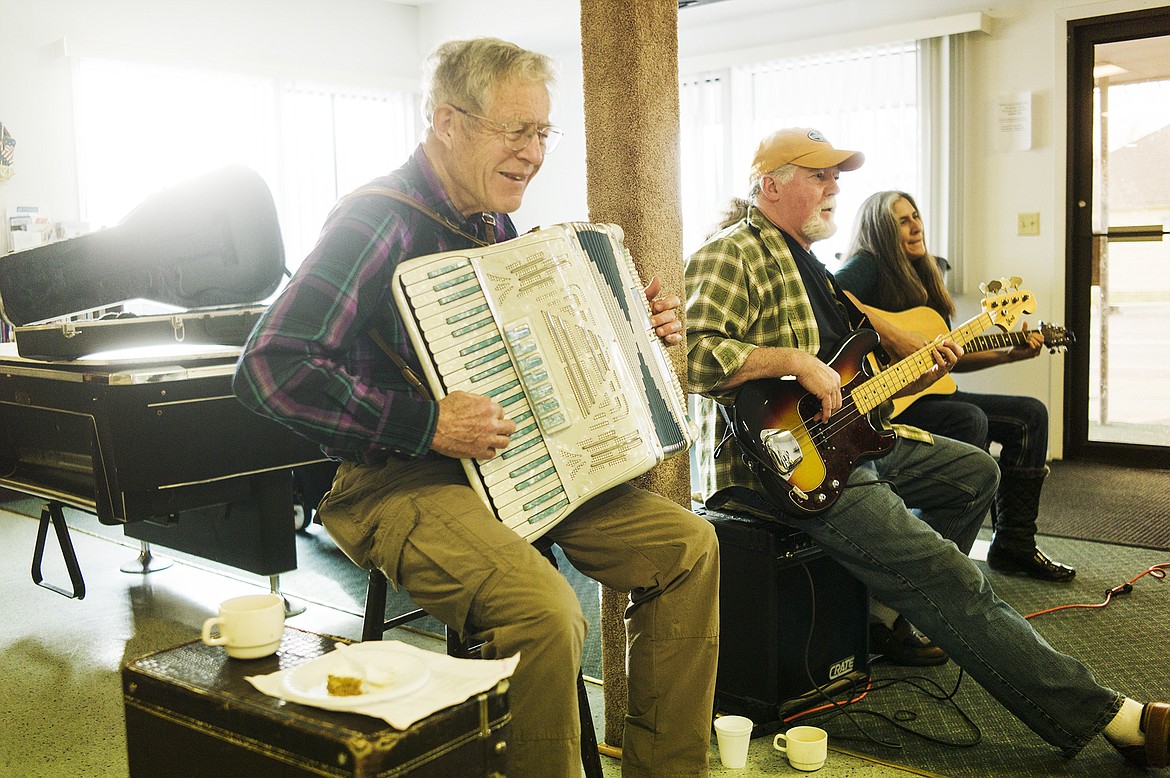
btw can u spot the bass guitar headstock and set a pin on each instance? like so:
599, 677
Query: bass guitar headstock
1004, 301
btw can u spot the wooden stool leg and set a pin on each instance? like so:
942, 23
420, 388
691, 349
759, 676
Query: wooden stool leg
590, 757
374, 622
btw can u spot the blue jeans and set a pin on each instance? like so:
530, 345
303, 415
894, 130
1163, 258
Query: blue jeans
915, 561
1019, 424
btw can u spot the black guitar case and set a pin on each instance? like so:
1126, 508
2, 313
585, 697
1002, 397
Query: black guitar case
213, 241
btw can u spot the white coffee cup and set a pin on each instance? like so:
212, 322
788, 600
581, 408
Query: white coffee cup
733, 733
249, 627
805, 747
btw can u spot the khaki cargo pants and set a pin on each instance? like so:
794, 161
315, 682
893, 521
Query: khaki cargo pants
423, 525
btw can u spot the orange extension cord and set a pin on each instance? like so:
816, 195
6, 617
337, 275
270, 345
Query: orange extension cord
1157, 571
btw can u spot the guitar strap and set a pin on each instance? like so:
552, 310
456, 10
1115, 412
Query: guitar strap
385, 191
728, 434
858, 318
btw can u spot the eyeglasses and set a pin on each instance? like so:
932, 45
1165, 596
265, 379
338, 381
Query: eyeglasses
517, 135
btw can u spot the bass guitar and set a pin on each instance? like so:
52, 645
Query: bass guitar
804, 462
929, 324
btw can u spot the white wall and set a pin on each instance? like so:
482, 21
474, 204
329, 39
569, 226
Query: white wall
360, 42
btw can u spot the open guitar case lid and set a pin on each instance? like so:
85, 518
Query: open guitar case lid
210, 246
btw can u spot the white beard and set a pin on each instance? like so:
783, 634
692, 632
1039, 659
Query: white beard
818, 229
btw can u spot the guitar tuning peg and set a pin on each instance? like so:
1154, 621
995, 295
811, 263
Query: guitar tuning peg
1016, 282
993, 286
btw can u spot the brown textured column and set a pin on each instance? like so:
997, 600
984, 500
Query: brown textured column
630, 54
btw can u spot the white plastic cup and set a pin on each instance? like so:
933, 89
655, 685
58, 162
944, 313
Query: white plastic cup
249, 627
805, 747
733, 734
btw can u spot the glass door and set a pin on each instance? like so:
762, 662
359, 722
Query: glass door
1118, 381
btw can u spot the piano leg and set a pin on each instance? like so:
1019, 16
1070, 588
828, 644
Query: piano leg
291, 608
52, 514
146, 562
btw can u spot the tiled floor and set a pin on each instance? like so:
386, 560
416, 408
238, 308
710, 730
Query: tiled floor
60, 689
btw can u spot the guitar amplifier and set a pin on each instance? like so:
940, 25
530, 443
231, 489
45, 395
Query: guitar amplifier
791, 620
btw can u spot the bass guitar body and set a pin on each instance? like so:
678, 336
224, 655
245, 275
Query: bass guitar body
802, 461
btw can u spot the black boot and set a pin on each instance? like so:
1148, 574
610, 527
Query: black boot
1013, 516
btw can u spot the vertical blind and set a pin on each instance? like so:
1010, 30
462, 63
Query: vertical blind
335, 141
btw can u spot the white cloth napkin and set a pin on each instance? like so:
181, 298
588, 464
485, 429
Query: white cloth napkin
451, 682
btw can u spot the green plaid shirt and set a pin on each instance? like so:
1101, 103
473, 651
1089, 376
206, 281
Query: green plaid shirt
744, 290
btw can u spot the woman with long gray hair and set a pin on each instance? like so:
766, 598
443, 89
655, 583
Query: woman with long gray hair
890, 268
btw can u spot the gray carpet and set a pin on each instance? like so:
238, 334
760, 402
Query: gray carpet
1124, 644
1109, 504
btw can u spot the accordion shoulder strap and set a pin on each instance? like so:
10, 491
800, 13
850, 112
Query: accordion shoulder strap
385, 191
425, 210
410, 376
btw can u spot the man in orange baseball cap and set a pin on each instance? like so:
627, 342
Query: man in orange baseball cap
760, 306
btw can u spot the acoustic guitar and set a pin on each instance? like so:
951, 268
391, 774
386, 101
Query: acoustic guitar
929, 324
804, 462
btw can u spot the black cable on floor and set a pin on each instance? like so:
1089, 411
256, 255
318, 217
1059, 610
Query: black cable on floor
897, 720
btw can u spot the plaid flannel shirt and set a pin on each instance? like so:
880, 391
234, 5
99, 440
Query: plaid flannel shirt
311, 363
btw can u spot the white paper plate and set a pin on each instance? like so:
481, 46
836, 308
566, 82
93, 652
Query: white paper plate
401, 672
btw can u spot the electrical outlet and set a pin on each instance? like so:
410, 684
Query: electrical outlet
1028, 224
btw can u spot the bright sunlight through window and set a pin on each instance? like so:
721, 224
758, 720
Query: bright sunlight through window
141, 128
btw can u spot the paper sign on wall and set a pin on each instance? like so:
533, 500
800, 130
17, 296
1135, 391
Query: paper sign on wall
1014, 117
7, 153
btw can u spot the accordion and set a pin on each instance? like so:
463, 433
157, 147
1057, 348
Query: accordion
553, 325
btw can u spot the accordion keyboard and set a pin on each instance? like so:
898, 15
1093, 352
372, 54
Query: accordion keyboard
468, 350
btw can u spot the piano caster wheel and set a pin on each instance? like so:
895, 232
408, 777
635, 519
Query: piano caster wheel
291, 607
301, 518
146, 562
